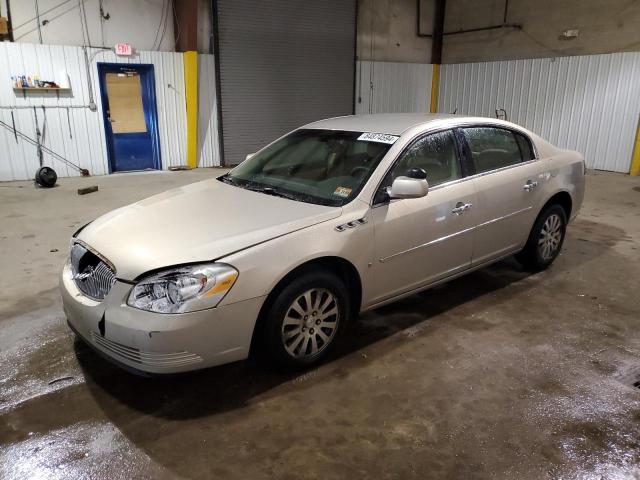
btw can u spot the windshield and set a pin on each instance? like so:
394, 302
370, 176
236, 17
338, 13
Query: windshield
326, 167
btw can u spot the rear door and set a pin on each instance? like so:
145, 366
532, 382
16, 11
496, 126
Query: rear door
418, 241
507, 183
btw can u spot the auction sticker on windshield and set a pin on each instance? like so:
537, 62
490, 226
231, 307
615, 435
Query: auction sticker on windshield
343, 192
378, 137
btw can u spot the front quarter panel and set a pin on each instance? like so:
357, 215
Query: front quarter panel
261, 267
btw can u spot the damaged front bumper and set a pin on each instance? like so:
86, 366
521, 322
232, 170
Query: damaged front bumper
159, 343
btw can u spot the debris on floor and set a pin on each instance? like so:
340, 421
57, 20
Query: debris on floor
85, 190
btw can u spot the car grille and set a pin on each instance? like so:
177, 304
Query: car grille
92, 275
150, 359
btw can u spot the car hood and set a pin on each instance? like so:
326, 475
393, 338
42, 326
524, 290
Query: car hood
198, 222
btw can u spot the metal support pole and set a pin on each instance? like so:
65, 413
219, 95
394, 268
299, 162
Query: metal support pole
438, 32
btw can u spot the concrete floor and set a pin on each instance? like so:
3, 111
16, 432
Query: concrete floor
499, 374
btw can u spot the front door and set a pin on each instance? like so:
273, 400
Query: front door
419, 241
130, 118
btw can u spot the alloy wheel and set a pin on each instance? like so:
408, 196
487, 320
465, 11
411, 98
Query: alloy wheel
550, 236
310, 323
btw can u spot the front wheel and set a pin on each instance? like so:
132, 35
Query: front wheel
545, 240
306, 320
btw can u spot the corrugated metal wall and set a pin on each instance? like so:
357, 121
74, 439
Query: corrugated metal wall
79, 134
384, 87
208, 147
586, 103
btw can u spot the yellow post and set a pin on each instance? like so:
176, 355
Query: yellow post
635, 159
191, 96
435, 85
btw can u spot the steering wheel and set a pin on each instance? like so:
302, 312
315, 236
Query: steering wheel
359, 172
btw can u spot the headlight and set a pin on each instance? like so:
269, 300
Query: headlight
183, 289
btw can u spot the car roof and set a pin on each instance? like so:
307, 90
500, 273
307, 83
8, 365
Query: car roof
398, 123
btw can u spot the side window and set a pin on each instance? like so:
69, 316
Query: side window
493, 148
525, 147
436, 154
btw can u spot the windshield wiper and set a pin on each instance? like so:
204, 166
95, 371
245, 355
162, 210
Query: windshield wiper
226, 178
274, 192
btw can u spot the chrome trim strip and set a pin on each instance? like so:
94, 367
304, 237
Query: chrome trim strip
432, 242
517, 212
440, 281
446, 237
502, 169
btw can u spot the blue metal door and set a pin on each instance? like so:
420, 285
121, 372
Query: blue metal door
130, 116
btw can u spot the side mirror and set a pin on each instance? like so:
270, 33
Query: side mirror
412, 185
249, 155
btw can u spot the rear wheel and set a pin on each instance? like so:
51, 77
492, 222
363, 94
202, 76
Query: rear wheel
306, 320
545, 240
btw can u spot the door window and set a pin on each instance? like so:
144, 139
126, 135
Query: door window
436, 154
493, 148
126, 112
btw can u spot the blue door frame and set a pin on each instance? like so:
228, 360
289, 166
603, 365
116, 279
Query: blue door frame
132, 151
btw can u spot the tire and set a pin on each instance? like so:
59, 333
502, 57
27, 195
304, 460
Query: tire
545, 240
306, 320
46, 177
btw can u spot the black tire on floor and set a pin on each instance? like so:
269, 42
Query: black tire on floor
281, 308
533, 256
46, 177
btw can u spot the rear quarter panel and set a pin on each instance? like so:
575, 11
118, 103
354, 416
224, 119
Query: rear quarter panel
562, 171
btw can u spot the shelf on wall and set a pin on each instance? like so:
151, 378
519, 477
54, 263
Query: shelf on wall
59, 89
24, 90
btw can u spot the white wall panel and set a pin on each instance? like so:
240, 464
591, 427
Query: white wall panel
134, 22
80, 136
208, 147
385, 87
586, 103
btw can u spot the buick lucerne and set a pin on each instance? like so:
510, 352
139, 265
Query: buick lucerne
337, 217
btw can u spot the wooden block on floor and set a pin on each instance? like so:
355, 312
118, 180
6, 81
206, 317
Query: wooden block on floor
85, 190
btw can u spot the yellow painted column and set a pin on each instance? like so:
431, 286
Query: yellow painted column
635, 159
191, 96
435, 85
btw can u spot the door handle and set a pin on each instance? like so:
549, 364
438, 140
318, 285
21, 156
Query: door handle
530, 185
461, 207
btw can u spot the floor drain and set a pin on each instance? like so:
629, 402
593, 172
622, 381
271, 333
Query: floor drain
636, 384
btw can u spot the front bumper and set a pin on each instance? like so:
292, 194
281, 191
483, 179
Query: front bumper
159, 343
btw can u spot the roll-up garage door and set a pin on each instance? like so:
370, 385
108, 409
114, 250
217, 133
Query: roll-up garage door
282, 63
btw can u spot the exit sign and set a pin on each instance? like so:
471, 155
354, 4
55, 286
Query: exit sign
123, 49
